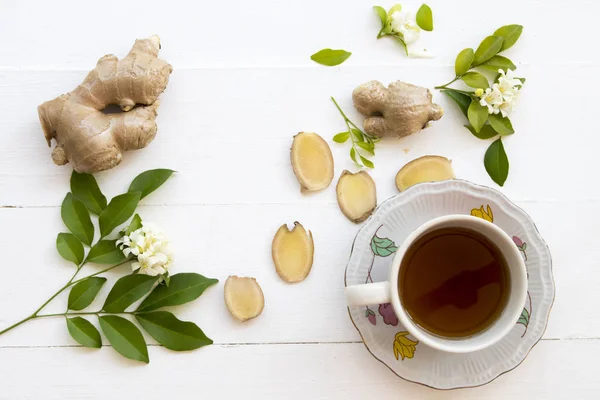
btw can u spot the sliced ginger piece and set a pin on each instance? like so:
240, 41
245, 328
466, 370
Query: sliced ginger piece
312, 161
244, 297
356, 195
293, 252
424, 169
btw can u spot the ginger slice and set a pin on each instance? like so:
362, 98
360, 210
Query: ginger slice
312, 161
244, 298
424, 169
356, 195
293, 252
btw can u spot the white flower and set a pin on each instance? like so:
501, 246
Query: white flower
509, 103
508, 84
151, 248
406, 24
492, 99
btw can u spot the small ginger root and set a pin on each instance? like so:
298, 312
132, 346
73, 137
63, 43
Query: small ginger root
312, 161
244, 298
93, 141
398, 110
293, 252
424, 169
356, 195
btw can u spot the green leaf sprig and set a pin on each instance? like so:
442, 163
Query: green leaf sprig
330, 57
483, 124
363, 145
124, 336
424, 19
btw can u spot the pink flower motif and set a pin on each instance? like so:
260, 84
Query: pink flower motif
388, 314
517, 241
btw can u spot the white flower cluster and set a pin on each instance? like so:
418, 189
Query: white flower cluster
503, 95
405, 23
150, 247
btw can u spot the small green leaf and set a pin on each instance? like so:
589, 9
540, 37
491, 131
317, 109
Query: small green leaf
330, 57
148, 181
134, 225
496, 162
510, 34
341, 137
366, 162
127, 291
475, 80
118, 211
489, 47
524, 318
367, 146
124, 337
463, 62
477, 115
358, 135
83, 293
77, 218
171, 332
524, 247
182, 289
425, 18
85, 188
382, 247
498, 62
395, 7
501, 125
461, 99
382, 14
353, 154
105, 252
486, 132
70, 248
84, 332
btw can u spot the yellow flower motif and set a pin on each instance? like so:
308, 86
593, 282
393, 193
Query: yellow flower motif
481, 213
403, 346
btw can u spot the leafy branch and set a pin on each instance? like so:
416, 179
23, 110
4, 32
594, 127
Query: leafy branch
85, 198
424, 20
362, 143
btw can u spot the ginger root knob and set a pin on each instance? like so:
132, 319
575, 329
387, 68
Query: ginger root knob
399, 110
91, 140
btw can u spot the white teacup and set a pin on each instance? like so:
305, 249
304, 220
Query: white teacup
387, 292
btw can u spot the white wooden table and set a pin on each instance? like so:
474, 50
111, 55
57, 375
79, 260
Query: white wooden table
243, 84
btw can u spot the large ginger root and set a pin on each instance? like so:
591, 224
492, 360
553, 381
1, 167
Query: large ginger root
93, 141
399, 110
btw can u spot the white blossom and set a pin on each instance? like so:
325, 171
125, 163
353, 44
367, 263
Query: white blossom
151, 249
406, 24
492, 99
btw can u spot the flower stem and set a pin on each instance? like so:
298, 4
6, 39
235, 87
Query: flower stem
449, 83
66, 314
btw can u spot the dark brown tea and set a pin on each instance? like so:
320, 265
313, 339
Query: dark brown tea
454, 282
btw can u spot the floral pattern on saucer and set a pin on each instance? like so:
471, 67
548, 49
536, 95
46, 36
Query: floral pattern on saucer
371, 259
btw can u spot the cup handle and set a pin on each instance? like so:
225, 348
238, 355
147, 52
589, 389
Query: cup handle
367, 294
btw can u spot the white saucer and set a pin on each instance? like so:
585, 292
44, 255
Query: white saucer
371, 258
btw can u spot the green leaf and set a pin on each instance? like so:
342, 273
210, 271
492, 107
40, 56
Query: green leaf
524, 318
463, 62
127, 291
382, 14
341, 137
425, 18
510, 34
105, 252
84, 332
83, 293
353, 154
524, 247
367, 146
496, 162
501, 124
461, 99
489, 47
70, 248
171, 332
85, 188
475, 80
134, 225
77, 218
148, 181
183, 288
358, 135
498, 62
477, 115
118, 211
124, 337
395, 7
366, 162
382, 247
330, 57
486, 132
